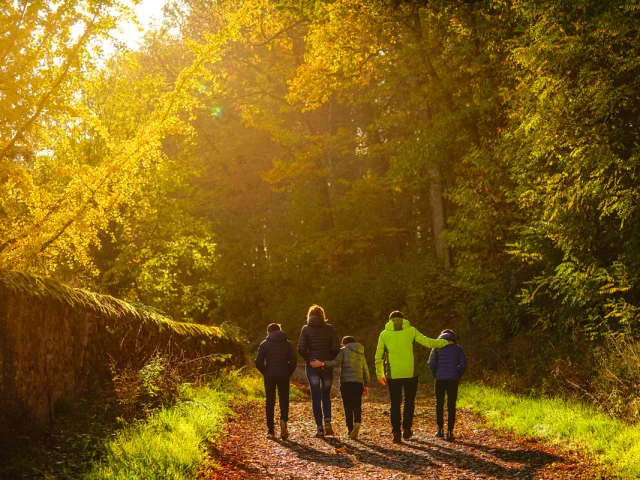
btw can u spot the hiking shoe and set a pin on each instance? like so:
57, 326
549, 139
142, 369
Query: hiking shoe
353, 434
284, 432
397, 438
407, 434
450, 436
320, 433
440, 433
271, 436
327, 429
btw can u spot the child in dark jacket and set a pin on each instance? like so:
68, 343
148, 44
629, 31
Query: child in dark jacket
276, 360
447, 366
354, 381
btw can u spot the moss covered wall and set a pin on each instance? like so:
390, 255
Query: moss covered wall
57, 342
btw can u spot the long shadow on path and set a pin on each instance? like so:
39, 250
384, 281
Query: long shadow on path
475, 460
530, 458
402, 461
318, 456
387, 458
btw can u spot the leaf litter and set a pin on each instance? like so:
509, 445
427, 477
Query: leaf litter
478, 453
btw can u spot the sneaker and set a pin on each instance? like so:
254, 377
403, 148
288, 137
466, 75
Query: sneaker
450, 436
320, 433
271, 436
440, 433
284, 432
397, 438
353, 434
407, 434
327, 429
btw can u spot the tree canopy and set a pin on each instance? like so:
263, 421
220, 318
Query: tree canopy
474, 163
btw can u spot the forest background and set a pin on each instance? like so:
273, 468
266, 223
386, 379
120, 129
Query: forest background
472, 163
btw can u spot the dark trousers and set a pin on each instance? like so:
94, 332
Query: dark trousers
352, 400
270, 385
450, 387
410, 386
320, 381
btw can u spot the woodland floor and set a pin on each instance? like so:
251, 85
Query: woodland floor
478, 452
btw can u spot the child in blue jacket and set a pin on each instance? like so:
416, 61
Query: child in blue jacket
447, 365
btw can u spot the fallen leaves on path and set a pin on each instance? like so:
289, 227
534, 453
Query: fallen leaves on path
478, 453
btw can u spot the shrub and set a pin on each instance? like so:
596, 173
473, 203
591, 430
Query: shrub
159, 382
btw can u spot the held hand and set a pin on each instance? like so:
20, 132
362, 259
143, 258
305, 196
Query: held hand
365, 391
315, 363
383, 381
451, 341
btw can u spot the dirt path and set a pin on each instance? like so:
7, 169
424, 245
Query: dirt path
478, 452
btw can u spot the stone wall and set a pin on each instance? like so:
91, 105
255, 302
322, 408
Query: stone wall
57, 342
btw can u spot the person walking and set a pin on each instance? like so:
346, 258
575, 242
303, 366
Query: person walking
319, 341
397, 368
447, 366
276, 360
354, 381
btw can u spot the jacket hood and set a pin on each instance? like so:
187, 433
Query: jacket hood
355, 346
277, 336
315, 321
396, 324
448, 336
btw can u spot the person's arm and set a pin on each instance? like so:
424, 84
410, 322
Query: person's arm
433, 362
302, 344
293, 360
336, 362
379, 356
260, 357
430, 342
462, 366
365, 372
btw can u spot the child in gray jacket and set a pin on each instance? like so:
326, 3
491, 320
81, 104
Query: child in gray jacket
354, 381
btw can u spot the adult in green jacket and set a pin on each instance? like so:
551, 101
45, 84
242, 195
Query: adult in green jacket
397, 368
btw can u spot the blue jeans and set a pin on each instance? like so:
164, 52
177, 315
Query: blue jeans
320, 385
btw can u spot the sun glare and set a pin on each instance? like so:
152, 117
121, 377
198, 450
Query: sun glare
147, 11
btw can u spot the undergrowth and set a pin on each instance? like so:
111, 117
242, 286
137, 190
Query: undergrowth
170, 443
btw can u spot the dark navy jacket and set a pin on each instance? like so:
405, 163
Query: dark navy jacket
448, 363
318, 340
276, 356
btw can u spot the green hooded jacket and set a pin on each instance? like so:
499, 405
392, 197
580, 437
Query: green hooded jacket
394, 355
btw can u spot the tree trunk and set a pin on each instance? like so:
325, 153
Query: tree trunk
438, 215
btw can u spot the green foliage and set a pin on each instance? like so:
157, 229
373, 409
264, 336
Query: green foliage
162, 381
570, 154
256, 157
150, 375
42, 288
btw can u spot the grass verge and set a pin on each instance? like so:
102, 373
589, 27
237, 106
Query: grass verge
170, 443
557, 421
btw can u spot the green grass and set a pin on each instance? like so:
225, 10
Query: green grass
170, 443
254, 387
561, 422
